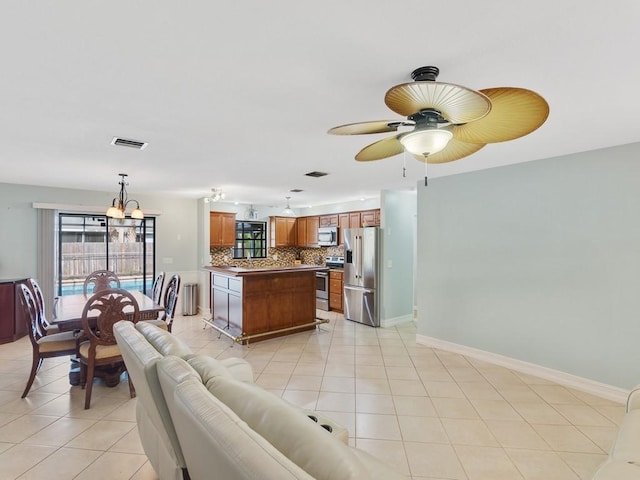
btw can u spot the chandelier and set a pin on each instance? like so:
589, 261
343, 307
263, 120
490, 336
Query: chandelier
119, 204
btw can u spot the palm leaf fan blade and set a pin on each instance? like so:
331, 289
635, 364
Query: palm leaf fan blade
385, 148
515, 112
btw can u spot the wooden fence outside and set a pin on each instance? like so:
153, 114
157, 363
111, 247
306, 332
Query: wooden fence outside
80, 259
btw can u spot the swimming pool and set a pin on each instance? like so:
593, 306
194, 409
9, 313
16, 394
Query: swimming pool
74, 288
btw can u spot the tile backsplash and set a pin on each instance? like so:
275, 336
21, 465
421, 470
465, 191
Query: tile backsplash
276, 257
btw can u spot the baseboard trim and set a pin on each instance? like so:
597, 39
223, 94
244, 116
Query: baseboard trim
391, 322
579, 383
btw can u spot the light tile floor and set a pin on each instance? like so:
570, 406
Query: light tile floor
429, 413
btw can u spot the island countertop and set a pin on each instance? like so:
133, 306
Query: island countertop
243, 271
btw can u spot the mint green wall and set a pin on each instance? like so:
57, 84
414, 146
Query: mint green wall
398, 209
177, 226
538, 261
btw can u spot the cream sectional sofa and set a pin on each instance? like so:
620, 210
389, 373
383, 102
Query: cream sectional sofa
624, 458
202, 418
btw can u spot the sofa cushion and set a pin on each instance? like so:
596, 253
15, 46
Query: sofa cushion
288, 429
164, 342
216, 443
208, 368
239, 368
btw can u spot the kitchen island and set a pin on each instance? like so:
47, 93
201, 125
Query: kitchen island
252, 304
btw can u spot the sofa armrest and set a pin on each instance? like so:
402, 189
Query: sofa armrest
633, 400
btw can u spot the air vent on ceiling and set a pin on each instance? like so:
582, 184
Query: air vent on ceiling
296, 190
123, 142
316, 174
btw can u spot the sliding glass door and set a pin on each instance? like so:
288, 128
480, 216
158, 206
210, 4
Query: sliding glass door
87, 243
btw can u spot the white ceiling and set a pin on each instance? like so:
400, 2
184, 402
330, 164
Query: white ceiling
239, 95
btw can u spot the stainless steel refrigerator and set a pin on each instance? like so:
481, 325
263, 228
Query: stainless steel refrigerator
361, 275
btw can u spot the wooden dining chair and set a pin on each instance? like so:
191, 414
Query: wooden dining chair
100, 280
100, 350
156, 290
43, 345
170, 300
39, 298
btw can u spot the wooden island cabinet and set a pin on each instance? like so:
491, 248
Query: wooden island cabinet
253, 304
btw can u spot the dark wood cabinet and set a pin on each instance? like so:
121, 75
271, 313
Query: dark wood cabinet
222, 229
283, 231
335, 290
13, 324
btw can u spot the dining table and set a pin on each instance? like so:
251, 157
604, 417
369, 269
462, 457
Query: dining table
68, 309
68, 317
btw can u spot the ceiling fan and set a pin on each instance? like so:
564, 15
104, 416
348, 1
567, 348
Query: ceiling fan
449, 121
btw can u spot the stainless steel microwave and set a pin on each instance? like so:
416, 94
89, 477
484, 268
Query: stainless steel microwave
327, 236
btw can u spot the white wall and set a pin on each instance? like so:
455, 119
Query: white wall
538, 261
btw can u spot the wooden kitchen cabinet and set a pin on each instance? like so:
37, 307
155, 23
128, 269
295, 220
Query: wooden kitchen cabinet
222, 229
301, 228
283, 231
307, 230
370, 218
260, 304
329, 220
343, 220
335, 290
313, 223
355, 220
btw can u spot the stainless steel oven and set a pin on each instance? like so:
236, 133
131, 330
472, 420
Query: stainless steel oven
322, 291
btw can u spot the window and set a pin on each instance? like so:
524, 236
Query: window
251, 240
94, 242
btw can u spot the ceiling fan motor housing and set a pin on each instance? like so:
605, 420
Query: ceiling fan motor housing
425, 74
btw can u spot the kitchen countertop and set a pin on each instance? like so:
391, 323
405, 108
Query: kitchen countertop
243, 272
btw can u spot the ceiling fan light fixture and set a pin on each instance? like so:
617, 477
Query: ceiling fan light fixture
426, 142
